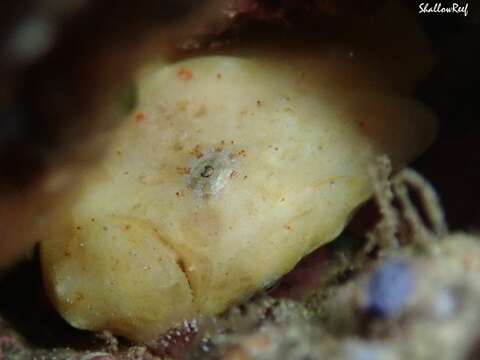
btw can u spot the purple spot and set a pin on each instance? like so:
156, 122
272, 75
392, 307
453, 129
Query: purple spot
389, 288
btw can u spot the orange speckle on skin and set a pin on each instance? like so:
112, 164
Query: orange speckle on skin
139, 117
202, 110
150, 179
197, 152
183, 170
330, 181
185, 74
220, 147
467, 262
79, 297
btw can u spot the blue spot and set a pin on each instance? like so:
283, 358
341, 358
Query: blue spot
389, 288
363, 351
